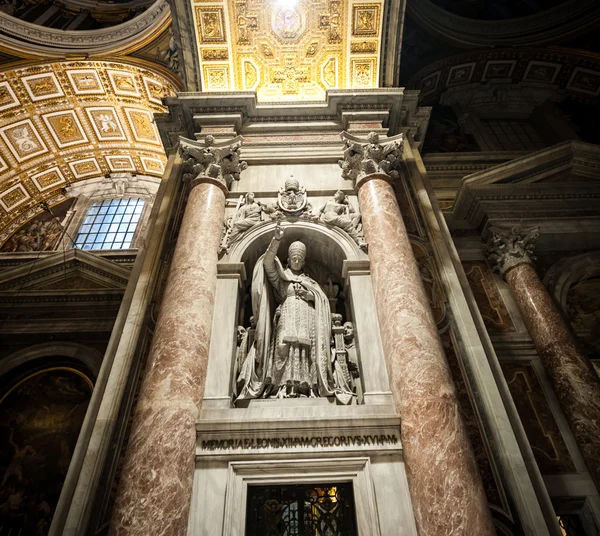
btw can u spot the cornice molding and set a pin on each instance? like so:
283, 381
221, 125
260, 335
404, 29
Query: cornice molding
27, 39
559, 23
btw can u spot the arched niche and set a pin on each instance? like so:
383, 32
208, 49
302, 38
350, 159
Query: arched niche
327, 249
574, 283
44, 394
327, 246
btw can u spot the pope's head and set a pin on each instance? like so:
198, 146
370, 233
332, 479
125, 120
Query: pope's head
296, 255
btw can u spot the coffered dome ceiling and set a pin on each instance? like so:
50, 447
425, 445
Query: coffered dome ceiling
288, 50
67, 121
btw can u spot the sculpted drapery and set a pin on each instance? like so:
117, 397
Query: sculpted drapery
291, 354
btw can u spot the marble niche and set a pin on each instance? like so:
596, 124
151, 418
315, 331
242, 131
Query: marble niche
297, 389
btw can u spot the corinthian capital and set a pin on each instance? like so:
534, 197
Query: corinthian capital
365, 157
508, 248
219, 161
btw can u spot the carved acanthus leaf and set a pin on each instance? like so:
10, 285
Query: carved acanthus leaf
507, 248
365, 157
216, 160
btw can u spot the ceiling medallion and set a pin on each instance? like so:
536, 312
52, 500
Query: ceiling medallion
288, 23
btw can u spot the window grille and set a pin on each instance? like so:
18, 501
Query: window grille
110, 224
301, 510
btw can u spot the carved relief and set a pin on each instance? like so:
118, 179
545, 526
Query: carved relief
142, 125
23, 140
507, 248
365, 19
85, 81
215, 54
120, 163
8, 99
216, 77
49, 178
363, 47
106, 123
123, 83
219, 161
362, 72
13, 197
211, 24
42, 86
364, 157
65, 128
338, 212
85, 168
153, 166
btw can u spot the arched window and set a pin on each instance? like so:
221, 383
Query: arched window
110, 224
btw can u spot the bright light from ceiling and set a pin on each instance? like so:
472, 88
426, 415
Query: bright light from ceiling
289, 4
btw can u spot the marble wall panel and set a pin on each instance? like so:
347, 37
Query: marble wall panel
542, 430
269, 178
487, 296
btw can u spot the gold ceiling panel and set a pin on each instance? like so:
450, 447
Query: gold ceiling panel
67, 121
288, 50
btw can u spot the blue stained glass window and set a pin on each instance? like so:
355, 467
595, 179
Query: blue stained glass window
110, 224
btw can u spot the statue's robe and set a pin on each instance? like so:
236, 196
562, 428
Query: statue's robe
292, 342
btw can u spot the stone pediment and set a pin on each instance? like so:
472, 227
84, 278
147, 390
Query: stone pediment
538, 177
556, 189
74, 271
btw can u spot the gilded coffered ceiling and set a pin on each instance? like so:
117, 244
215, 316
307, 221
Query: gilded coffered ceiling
68, 121
288, 50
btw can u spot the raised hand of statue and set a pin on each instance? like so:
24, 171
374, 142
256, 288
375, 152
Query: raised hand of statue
278, 231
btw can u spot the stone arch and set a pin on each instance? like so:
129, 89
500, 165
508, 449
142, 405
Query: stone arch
89, 357
573, 282
329, 244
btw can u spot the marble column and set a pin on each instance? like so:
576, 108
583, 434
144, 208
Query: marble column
445, 485
155, 485
574, 381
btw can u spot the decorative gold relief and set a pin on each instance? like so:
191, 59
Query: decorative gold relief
153, 166
65, 128
154, 89
215, 54
48, 179
42, 86
312, 49
23, 140
329, 73
365, 19
216, 78
362, 72
8, 99
250, 75
85, 168
106, 123
85, 82
142, 125
120, 163
290, 76
123, 83
212, 25
13, 197
363, 47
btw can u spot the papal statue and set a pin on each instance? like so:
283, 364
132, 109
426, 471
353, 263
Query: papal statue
291, 353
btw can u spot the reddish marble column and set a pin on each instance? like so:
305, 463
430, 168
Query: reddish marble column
575, 383
445, 485
156, 482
